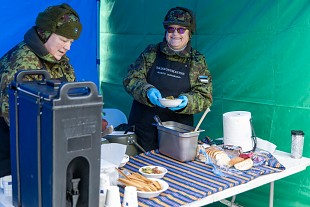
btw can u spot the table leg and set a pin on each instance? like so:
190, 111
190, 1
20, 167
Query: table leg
271, 194
230, 203
233, 200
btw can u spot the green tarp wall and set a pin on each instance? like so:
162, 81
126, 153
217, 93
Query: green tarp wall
258, 54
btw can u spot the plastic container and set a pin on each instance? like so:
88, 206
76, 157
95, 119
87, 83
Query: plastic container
178, 141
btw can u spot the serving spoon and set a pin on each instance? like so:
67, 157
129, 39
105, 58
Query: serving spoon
201, 119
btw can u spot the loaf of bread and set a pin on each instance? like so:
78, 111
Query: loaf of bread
218, 156
244, 165
213, 151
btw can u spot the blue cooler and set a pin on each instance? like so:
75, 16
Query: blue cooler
55, 131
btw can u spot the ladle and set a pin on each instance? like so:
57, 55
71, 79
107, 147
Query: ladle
201, 119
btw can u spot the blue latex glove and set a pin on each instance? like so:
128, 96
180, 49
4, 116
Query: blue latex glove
153, 94
182, 105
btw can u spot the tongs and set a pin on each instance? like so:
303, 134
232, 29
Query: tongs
158, 121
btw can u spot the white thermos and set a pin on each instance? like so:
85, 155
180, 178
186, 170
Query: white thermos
297, 143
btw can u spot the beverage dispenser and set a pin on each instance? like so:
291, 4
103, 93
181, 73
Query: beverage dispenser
55, 141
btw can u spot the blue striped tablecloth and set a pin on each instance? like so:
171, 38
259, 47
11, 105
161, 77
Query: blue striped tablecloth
191, 181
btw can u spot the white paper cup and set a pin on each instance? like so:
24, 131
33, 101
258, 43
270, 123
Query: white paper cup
130, 197
104, 184
113, 197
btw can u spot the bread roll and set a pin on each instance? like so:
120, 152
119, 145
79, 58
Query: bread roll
244, 165
234, 161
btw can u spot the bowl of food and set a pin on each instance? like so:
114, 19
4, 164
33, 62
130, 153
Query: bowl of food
124, 160
161, 186
153, 171
170, 101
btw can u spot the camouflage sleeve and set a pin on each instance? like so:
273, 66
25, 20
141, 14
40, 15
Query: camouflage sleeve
135, 82
68, 72
9, 66
200, 96
63, 69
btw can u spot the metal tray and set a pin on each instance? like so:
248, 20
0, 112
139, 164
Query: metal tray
178, 141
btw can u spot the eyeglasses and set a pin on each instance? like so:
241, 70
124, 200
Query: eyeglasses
180, 30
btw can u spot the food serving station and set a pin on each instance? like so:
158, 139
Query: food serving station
64, 141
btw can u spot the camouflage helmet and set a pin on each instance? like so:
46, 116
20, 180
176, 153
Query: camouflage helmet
180, 16
61, 19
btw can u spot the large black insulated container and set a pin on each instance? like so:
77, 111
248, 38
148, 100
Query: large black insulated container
55, 141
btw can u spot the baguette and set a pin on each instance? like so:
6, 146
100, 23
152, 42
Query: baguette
234, 161
244, 165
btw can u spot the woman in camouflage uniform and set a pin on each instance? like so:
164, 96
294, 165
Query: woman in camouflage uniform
44, 47
169, 68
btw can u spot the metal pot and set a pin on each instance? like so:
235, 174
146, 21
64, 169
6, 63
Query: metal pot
104, 141
126, 138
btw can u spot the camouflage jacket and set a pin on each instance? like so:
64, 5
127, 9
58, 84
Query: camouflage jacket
200, 96
27, 55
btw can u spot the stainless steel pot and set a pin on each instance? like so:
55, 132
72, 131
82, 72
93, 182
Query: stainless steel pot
126, 138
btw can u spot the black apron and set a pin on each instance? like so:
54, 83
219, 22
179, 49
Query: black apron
171, 78
5, 162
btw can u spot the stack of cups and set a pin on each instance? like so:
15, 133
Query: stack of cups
104, 184
113, 197
130, 197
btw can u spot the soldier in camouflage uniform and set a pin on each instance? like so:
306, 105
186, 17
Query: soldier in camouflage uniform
44, 47
169, 68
